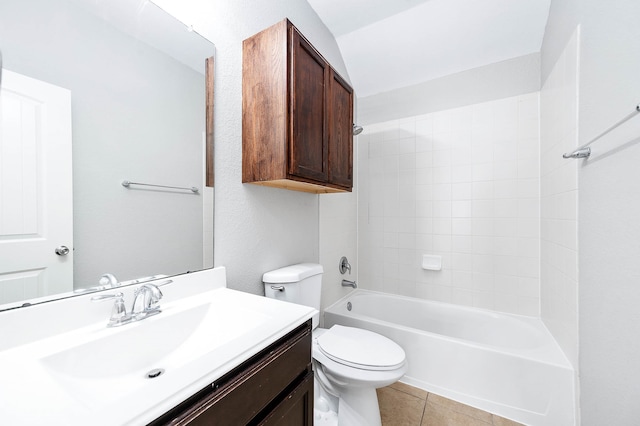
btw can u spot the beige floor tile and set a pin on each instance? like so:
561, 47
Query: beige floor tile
501, 421
440, 415
399, 408
402, 387
460, 408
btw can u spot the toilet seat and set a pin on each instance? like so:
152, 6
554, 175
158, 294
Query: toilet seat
360, 349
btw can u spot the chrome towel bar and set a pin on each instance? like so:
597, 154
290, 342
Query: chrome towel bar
127, 183
584, 151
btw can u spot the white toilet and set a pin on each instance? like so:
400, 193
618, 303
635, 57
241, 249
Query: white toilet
349, 363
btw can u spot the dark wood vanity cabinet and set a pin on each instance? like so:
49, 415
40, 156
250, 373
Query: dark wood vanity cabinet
297, 115
274, 387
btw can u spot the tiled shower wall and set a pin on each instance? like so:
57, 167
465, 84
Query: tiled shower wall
460, 183
559, 200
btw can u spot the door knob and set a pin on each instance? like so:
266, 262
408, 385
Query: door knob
62, 250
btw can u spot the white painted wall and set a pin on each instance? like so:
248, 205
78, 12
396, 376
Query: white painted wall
608, 208
257, 229
512, 77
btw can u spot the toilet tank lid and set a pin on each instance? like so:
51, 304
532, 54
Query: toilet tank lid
293, 273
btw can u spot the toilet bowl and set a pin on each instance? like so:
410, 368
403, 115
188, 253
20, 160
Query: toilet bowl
349, 363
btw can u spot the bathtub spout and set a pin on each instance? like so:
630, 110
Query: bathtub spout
347, 283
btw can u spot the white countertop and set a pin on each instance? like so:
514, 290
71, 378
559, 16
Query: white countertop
105, 392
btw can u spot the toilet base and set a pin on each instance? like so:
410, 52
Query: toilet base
355, 406
325, 418
325, 404
359, 407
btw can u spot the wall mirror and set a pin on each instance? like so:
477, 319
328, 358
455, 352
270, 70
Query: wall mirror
95, 93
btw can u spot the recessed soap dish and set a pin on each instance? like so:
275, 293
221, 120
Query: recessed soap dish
431, 262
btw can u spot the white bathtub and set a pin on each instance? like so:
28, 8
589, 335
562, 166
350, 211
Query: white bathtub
505, 364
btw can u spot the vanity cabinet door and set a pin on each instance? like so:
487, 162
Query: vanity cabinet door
296, 409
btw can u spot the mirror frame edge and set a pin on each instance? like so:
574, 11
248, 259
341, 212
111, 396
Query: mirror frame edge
209, 152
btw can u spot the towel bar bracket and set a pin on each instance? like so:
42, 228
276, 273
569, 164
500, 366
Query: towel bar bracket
584, 151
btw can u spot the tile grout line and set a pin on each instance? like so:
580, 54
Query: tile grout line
424, 410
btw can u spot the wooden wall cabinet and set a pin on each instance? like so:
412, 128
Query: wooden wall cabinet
274, 387
297, 115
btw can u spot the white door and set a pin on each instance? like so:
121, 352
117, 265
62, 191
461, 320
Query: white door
36, 203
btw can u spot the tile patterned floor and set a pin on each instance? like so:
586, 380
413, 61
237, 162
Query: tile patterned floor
404, 405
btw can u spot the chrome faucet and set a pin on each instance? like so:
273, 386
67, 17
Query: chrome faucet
347, 283
146, 301
108, 281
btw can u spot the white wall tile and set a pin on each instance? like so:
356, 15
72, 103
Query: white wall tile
461, 173
558, 203
442, 209
424, 143
482, 208
424, 176
460, 208
442, 191
442, 174
442, 122
461, 296
507, 188
483, 226
461, 191
406, 161
463, 184
482, 190
505, 227
442, 158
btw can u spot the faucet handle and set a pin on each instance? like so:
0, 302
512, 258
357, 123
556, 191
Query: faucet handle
344, 265
118, 312
102, 297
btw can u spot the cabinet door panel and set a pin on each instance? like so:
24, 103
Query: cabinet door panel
340, 132
296, 409
308, 144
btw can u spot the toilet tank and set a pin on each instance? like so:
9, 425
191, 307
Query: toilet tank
301, 284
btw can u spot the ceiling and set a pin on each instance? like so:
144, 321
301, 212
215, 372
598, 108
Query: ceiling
389, 44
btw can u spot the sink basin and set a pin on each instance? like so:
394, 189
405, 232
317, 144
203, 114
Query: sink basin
95, 370
131, 349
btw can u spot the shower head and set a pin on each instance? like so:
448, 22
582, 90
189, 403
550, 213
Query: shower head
357, 129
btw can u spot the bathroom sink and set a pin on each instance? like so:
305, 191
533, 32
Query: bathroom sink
103, 360
130, 349
63, 355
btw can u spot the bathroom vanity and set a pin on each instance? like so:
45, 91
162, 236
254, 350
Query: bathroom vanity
212, 356
274, 387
